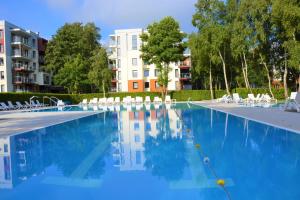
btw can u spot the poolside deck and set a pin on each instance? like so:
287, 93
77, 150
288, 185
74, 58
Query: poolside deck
273, 116
15, 122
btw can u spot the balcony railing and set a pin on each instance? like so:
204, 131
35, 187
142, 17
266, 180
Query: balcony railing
22, 67
23, 80
185, 75
20, 41
20, 55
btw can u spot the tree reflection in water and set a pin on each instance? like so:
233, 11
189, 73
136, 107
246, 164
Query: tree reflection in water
165, 155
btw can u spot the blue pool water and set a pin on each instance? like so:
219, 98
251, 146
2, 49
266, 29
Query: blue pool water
151, 155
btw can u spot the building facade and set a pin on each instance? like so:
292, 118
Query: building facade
21, 58
131, 74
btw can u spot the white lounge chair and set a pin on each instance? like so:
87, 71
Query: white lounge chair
236, 98
110, 101
28, 104
33, 104
84, 102
117, 101
102, 101
168, 100
252, 99
11, 105
293, 104
127, 100
157, 100
139, 100
20, 106
4, 106
267, 99
224, 99
147, 100
40, 104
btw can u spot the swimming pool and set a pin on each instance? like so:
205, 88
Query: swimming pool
152, 155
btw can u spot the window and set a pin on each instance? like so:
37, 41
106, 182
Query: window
1, 61
33, 54
176, 73
134, 61
5, 148
134, 42
119, 75
136, 126
137, 138
134, 73
146, 85
1, 75
34, 66
138, 157
1, 48
26, 53
118, 40
119, 87
146, 73
135, 85
156, 72
156, 84
118, 52
34, 77
119, 63
2, 88
33, 42
1, 33
148, 127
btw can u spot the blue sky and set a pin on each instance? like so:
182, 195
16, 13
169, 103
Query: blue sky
45, 16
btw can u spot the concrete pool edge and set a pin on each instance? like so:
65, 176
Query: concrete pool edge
81, 114
283, 127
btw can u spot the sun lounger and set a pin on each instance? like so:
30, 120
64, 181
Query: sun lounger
236, 98
117, 101
139, 100
102, 101
110, 101
293, 104
252, 99
225, 99
127, 100
28, 104
20, 106
267, 99
11, 105
84, 102
157, 100
168, 100
4, 106
147, 100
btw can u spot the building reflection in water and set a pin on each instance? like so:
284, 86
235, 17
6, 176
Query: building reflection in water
133, 129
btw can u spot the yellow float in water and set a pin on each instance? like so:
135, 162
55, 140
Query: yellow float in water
197, 146
221, 182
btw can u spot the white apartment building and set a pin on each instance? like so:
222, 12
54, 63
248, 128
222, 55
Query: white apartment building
21, 55
131, 74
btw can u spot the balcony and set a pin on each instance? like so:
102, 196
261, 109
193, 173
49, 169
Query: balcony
20, 55
23, 80
112, 67
18, 67
185, 76
20, 41
184, 65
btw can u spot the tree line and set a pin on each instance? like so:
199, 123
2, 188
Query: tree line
242, 43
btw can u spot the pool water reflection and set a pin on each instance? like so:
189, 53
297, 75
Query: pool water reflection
151, 155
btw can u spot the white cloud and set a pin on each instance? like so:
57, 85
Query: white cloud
126, 13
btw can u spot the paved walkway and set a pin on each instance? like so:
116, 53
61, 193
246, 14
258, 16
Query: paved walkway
12, 123
273, 116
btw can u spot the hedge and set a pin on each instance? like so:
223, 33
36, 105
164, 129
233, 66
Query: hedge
183, 95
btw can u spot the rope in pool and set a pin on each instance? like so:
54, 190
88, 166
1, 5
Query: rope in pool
220, 182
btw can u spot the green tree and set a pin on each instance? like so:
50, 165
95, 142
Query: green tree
286, 18
72, 75
163, 44
100, 75
210, 17
69, 41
